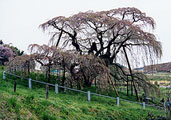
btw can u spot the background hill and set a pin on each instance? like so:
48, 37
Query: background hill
163, 67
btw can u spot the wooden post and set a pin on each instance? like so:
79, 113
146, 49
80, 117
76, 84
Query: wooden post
56, 89
47, 91
14, 85
117, 101
89, 97
4, 75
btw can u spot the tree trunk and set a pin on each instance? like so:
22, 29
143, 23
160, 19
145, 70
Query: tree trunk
78, 84
95, 81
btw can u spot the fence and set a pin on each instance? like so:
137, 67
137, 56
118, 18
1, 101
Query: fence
88, 92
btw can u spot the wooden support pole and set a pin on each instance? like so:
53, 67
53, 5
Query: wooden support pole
131, 73
28, 69
127, 86
114, 88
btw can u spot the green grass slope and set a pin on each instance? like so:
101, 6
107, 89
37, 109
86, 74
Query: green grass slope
30, 104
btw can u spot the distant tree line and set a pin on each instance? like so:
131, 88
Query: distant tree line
8, 52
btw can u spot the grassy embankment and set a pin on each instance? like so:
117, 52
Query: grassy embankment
31, 104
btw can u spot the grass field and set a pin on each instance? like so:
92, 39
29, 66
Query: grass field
30, 104
160, 77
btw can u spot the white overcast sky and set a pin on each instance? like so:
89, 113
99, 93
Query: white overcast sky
20, 19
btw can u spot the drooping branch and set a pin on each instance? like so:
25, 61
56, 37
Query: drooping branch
104, 34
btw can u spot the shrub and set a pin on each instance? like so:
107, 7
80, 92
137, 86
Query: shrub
29, 99
84, 110
47, 116
12, 104
45, 103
